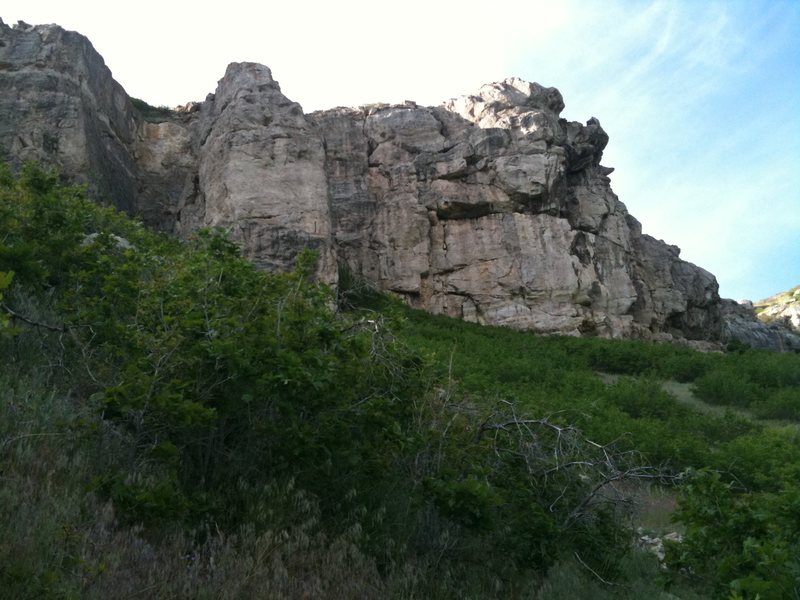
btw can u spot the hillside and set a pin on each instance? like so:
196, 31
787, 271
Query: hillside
177, 423
262, 353
784, 306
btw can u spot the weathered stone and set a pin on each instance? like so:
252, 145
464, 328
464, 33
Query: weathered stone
523, 227
60, 105
166, 161
260, 171
489, 208
783, 308
741, 324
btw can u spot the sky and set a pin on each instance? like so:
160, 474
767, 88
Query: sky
700, 98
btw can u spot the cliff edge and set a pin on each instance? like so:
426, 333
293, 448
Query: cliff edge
489, 207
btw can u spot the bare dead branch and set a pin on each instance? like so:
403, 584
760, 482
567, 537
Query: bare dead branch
24, 436
15, 315
593, 572
549, 450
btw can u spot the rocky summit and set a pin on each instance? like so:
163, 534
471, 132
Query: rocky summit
490, 207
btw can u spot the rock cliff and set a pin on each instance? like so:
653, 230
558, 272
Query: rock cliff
741, 324
772, 323
783, 307
489, 208
60, 105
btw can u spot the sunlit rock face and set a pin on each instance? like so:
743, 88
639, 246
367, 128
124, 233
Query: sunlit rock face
260, 172
489, 208
492, 209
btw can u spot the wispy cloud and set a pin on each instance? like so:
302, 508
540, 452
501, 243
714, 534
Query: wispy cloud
701, 102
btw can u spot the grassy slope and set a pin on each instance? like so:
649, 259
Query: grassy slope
61, 538
477, 366
779, 298
736, 414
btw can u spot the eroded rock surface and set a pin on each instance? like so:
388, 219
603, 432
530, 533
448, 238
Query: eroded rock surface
260, 172
783, 308
740, 323
489, 208
492, 209
60, 105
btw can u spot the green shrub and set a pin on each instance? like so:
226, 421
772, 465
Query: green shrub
770, 369
645, 398
739, 541
684, 365
631, 358
150, 113
5, 281
215, 370
783, 403
728, 386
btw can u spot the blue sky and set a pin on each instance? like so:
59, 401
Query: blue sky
701, 99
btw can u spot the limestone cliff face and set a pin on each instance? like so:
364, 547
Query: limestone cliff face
489, 208
260, 172
740, 323
60, 105
772, 323
783, 307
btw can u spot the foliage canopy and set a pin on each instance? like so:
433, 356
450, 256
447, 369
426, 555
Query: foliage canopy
172, 395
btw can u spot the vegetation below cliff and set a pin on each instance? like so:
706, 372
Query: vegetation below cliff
150, 113
175, 423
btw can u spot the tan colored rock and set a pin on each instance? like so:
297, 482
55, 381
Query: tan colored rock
261, 172
522, 227
783, 308
489, 208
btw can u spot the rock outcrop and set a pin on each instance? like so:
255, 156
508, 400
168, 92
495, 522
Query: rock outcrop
60, 105
772, 323
741, 324
260, 172
783, 308
489, 208
492, 209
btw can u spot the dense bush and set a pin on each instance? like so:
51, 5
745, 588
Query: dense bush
192, 383
218, 372
783, 403
642, 358
740, 542
728, 386
765, 383
175, 422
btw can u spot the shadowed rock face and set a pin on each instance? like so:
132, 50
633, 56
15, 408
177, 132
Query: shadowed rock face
60, 105
740, 323
489, 208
